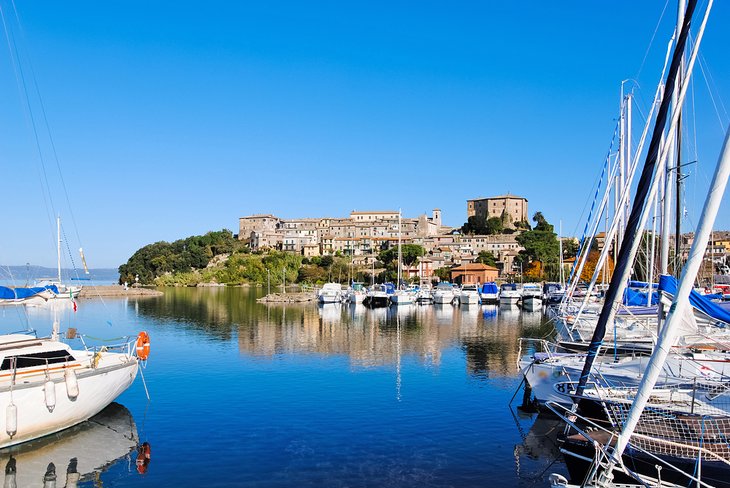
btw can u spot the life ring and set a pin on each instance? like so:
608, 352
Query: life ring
143, 345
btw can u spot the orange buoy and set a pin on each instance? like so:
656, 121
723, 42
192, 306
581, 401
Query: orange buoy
143, 345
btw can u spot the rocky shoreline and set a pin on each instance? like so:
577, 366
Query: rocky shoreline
117, 291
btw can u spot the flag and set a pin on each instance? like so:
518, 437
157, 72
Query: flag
74, 302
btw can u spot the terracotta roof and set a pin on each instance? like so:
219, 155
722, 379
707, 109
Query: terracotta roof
474, 267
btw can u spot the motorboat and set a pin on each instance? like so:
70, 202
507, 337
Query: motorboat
379, 295
509, 294
489, 292
532, 296
355, 294
469, 295
330, 293
444, 293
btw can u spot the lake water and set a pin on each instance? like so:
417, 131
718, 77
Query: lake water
245, 394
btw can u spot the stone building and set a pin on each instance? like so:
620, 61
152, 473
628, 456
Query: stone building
512, 207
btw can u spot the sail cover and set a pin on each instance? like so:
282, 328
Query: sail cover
668, 284
7, 293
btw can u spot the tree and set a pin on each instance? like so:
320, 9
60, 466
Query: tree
444, 274
494, 226
570, 248
487, 257
541, 244
476, 224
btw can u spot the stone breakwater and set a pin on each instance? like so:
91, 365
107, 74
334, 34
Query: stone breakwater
117, 291
298, 297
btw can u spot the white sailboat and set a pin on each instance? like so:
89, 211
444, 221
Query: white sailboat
47, 387
64, 291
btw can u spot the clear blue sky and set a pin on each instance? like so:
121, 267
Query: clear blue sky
175, 118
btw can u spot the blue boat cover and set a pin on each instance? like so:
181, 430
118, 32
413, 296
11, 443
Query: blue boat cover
636, 298
641, 284
7, 293
490, 287
669, 285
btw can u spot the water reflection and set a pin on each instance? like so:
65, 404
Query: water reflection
75, 455
539, 449
368, 337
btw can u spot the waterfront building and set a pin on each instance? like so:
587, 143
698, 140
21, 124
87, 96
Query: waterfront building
473, 273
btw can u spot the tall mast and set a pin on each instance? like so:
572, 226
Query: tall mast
58, 246
655, 161
681, 299
399, 250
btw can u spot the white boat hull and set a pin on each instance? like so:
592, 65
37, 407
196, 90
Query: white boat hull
97, 389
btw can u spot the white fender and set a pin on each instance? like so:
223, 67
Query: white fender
50, 390
72, 383
11, 419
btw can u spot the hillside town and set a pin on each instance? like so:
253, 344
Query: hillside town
364, 234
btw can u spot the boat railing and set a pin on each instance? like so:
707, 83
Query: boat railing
126, 346
533, 345
588, 428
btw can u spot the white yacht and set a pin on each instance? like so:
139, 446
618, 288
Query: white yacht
509, 294
444, 293
330, 293
532, 296
469, 295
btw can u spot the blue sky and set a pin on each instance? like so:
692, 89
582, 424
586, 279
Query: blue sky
174, 118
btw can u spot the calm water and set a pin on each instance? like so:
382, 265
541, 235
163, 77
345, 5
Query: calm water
245, 394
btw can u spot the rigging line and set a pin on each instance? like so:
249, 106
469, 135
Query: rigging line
707, 76
34, 79
651, 42
23, 89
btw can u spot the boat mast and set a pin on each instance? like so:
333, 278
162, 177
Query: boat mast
58, 247
400, 271
656, 159
681, 300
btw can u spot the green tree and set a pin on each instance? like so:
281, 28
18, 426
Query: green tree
476, 224
541, 244
494, 226
487, 257
444, 274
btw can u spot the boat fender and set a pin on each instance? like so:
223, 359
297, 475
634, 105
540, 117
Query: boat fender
50, 391
11, 420
143, 346
72, 383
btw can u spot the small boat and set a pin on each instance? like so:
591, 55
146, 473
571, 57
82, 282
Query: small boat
469, 295
51, 387
402, 297
27, 296
355, 294
509, 294
379, 295
424, 295
330, 293
531, 296
489, 292
444, 293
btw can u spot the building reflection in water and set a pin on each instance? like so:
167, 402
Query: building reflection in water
369, 337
